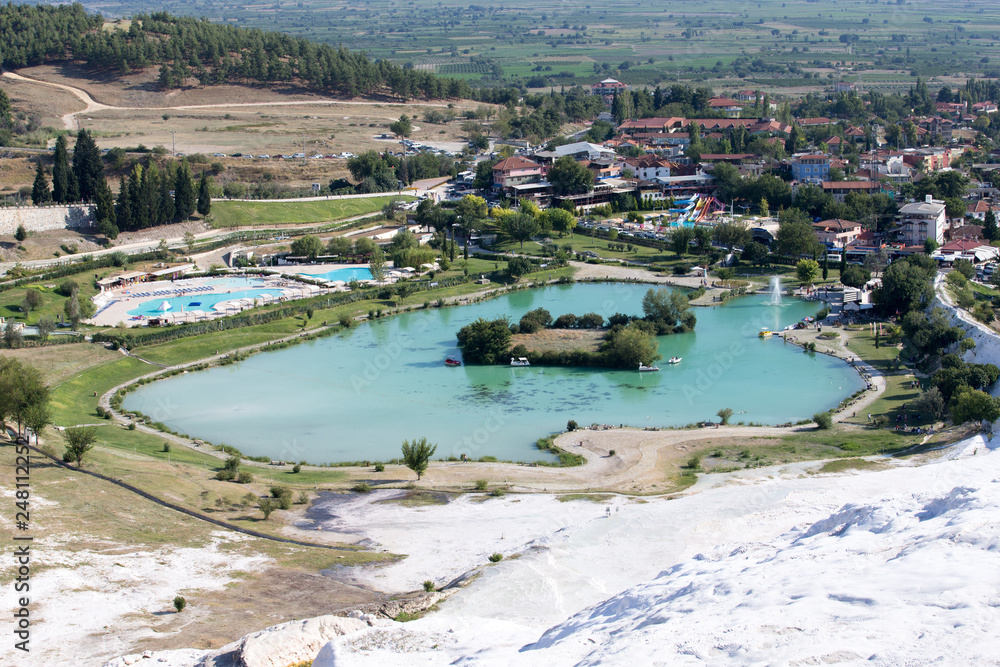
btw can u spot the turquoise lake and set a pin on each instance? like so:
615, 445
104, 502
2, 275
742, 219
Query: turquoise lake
358, 394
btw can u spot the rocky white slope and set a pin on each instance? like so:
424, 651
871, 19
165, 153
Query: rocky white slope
897, 567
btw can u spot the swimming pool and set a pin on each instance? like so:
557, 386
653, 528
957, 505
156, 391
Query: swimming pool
347, 274
198, 297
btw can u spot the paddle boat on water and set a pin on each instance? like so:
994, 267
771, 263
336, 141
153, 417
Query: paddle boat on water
647, 369
674, 360
765, 333
452, 361
519, 361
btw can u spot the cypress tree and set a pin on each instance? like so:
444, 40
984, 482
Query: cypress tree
204, 196
990, 230
184, 201
105, 215
87, 165
123, 211
149, 203
40, 188
167, 210
6, 112
61, 172
139, 221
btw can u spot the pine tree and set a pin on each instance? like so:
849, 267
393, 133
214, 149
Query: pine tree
61, 172
184, 201
204, 196
40, 188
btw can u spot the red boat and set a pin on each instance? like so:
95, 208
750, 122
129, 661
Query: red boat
452, 361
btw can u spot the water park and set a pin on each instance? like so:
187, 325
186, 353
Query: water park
193, 299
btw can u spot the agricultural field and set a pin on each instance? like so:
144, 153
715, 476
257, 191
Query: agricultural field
776, 46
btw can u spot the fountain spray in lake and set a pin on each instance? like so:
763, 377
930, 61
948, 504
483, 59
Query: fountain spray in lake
775, 290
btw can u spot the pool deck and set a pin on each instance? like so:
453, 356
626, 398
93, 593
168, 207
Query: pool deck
113, 306
312, 270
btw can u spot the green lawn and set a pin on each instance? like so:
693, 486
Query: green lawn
241, 213
74, 401
185, 350
856, 442
52, 302
891, 401
883, 358
582, 243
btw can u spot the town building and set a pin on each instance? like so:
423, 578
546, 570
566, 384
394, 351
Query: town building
607, 89
515, 170
837, 233
813, 168
923, 220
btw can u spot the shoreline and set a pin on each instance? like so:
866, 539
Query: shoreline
876, 384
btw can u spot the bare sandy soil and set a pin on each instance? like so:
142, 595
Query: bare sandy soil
273, 596
140, 89
131, 110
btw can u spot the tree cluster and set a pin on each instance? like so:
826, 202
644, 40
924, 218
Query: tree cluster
485, 341
150, 197
669, 311
24, 397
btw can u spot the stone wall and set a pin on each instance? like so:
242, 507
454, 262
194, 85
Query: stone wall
45, 218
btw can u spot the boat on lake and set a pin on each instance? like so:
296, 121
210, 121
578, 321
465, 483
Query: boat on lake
674, 360
643, 368
765, 333
519, 361
452, 361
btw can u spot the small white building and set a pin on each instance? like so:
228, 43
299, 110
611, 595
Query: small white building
924, 220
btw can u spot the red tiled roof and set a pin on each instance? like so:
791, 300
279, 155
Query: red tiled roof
961, 245
516, 162
849, 185
726, 156
717, 102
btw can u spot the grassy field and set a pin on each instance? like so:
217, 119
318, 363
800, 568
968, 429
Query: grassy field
239, 213
890, 402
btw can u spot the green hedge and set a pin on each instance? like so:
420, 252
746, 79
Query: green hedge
73, 268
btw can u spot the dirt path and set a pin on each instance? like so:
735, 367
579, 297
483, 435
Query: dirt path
68, 119
90, 105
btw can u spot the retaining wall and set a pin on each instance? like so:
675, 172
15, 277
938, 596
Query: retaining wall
46, 218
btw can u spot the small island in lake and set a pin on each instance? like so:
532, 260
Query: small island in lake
620, 341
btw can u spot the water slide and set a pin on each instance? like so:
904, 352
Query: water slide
710, 203
688, 211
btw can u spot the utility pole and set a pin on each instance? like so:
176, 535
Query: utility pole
173, 142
